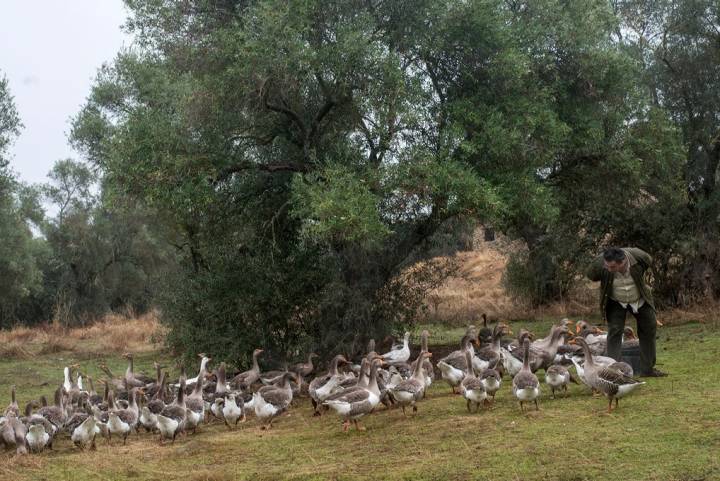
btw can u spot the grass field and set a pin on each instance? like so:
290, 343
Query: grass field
668, 430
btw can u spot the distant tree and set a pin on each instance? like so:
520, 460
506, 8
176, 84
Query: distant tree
678, 45
19, 275
103, 255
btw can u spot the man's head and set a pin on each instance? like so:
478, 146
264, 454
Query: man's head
615, 259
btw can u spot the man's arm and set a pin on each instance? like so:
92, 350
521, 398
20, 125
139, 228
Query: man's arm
641, 255
595, 271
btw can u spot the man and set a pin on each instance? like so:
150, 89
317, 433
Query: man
621, 273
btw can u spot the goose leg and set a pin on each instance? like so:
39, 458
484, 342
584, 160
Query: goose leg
316, 412
414, 408
346, 425
617, 402
536, 405
403, 408
468, 405
610, 406
522, 410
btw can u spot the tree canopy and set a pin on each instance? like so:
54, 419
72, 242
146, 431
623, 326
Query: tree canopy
292, 168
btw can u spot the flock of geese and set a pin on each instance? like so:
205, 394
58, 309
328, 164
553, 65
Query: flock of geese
135, 402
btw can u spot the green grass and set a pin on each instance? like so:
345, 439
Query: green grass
668, 430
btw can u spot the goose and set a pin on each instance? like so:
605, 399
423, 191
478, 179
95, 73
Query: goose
452, 367
402, 354
274, 376
132, 379
611, 382
37, 438
55, 414
623, 367
491, 380
542, 352
410, 391
40, 431
358, 403
557, 377
195, 404
117, 383
305, 368
94, 398
472, 388
579, 363
485, 335
149, 412
491, 352
83, 433
171, 420
201, 374
13, 408
428, 370
526, 386
231, 411
13, 434
220, 391
322, 386
270, 402
348, 385
245, 379
160, 383
67, 382
122, 421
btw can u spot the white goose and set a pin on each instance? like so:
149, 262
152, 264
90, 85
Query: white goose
232, 412
84, 434
452, 367
399, 355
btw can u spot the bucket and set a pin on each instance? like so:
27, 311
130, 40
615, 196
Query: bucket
631, 355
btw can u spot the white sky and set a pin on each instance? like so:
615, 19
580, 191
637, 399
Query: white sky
50, 51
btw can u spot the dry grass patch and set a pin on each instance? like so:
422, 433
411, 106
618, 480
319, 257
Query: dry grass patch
117, 332
13, 350
19, 334
55, 343
113, 333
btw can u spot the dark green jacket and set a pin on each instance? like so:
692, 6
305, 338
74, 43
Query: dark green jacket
597, 272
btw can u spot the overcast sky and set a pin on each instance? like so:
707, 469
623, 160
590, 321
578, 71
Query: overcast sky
50, 51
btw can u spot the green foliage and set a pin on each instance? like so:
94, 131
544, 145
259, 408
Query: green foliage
337, 206
302, 155
19, 274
